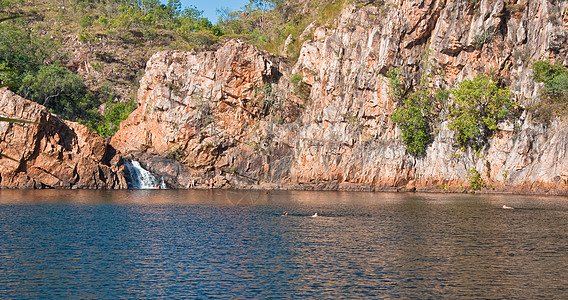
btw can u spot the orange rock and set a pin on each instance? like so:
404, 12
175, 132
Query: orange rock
54, 153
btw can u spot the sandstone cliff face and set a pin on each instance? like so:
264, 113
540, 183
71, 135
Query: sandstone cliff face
54, 153
207, 111
346, 68
233, 114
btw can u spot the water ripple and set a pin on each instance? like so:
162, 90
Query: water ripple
226, 245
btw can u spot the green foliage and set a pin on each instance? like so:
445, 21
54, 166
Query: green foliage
554, 94
60, 90
414, 115
301, 89
269, 98
412, 118
86, 21
442, 96
476, 183
270, 23
149, 16
483, 38
396, 88
22, 52
296, 78
479, 105
113, 115
554, 77
176, 154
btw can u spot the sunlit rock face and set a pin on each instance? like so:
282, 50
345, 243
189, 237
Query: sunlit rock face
206, 111
234, 115
54, 153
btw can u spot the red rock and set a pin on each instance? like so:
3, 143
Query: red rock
54, 153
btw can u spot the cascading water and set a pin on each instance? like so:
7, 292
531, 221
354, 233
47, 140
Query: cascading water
138, 178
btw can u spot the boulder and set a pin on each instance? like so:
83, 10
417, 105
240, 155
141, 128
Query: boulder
53, 153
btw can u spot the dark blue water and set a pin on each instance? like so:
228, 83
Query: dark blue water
215, 244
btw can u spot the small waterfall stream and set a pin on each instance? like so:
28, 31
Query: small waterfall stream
138, 178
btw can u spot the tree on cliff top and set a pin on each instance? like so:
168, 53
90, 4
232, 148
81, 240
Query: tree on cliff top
75, 58
274, 24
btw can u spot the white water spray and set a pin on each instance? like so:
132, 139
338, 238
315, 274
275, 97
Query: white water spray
138, 178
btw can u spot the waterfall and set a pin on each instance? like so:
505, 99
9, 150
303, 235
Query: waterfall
138, 178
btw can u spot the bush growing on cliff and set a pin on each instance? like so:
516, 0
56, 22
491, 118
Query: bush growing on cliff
554, 77
296, 78
113, 115
412, 118
413, 115
475, 180
554, 95
479, 105
301, 89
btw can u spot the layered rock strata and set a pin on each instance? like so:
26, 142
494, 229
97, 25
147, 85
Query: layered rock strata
53, 153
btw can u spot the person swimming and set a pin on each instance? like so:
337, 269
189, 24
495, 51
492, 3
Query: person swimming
285, 213
507, 207
315, 215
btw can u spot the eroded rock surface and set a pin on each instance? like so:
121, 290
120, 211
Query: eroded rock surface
207, 112
235, 114
54, 153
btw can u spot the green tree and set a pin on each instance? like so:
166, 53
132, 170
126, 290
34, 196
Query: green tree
554, 94
60, 90
413, 119
414, 114
113, 115
479, 105
475, 180
21, 52
554, 77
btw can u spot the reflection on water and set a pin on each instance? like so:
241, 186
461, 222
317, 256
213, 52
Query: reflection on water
229, 244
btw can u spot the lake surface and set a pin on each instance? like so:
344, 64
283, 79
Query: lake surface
228, 244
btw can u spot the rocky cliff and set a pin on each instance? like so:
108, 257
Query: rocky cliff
239, 116
243, 118
52, 153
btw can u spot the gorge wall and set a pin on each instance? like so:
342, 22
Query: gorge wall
247, 119
235, 115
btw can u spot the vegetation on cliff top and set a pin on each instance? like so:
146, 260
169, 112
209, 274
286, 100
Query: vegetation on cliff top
82, 58
278, 26
75, 56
